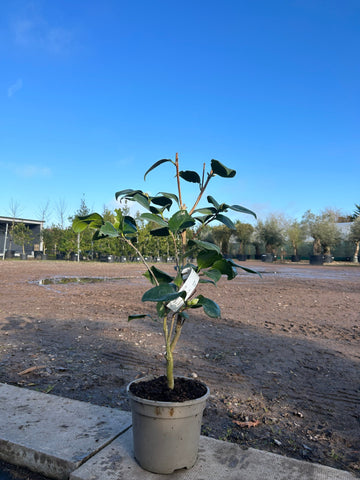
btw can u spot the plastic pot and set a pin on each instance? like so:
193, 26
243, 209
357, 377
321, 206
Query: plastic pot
166, 434
316, 259
267, 257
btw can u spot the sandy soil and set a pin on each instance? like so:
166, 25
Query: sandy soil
282, 364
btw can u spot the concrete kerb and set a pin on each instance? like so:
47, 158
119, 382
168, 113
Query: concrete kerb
68, 439
54, 435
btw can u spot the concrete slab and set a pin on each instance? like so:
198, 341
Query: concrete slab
53, 435
217, 460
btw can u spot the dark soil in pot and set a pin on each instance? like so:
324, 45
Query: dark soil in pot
157, 390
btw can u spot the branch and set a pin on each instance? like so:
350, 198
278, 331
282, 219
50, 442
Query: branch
203, 188
129, 242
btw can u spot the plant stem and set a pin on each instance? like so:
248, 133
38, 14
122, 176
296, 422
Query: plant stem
178, 180
169, 356
202, 190
129, 242
178, 329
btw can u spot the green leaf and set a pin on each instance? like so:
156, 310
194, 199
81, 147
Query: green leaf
213, 274
162, 293
240, 209
171, 195
206, 258
142, 200
225, 220
129, 225
80, 223
220, 169
183, 315
134, 317
206, 211
212, 200
161, 277
160, 232
180, 221
154, 210
178, 280
161, 309
205, 280
109, 230
202, 245
190, 176
129, 192
162, 201
156, 164
151, 217
246, 269
226, 268
211, 308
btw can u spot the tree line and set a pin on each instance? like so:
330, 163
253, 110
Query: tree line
312, 235
277, 235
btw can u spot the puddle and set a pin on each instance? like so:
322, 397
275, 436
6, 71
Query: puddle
78, 280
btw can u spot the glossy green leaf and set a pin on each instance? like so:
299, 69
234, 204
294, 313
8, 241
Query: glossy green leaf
220, 169
161, 277
161, 309
225, 220
206, 211
206, 280
180, 221
183, 315
80, 223
190, 176
226, 268
135, 317
109, 230
202, 245
162, 293
212, 200
129, 192
154, 210
156, 164
203, 218
160, 232
151, 217
171, 195
142, 200
129, 225
162, 201
206, 258
246, 269
240, 209
213, 274
211, 308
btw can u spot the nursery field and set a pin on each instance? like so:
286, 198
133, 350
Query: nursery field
282, 364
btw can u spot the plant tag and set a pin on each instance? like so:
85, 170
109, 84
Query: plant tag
189, 287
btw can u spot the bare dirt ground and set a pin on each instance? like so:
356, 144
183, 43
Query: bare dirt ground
282, 364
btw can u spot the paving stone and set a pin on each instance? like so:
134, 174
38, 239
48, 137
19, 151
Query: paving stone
53, 435
217, 460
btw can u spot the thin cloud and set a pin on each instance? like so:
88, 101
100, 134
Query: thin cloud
31, 171
15, 87
36, 32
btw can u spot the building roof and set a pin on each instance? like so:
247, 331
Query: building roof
21, 220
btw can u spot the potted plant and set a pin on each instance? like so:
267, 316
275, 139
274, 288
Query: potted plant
22, 235
167, 411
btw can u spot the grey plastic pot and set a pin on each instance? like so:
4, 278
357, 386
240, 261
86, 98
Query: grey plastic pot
166, 434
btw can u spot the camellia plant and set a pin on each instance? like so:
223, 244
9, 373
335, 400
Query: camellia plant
197, 261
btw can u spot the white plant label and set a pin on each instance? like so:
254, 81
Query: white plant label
189, 287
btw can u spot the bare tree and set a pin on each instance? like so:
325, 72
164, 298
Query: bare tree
44, 211
14, 208
61, 208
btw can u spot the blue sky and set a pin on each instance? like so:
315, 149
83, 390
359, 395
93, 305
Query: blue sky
94, 92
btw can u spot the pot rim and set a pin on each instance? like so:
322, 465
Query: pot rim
159, 403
